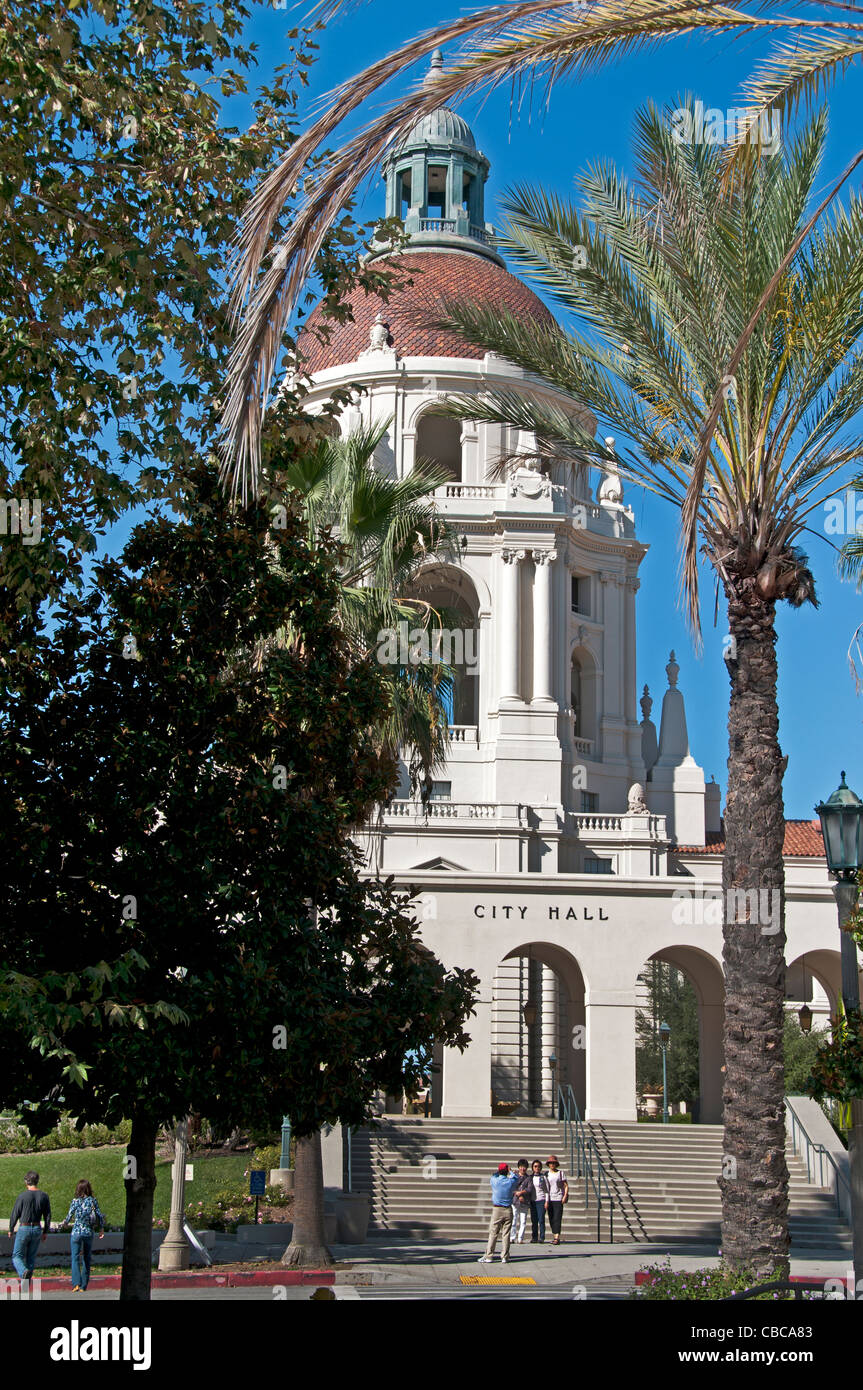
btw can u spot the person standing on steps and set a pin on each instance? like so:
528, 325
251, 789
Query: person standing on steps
538, 1202
558, 1196
33, 1211
521, 1199
503, 1185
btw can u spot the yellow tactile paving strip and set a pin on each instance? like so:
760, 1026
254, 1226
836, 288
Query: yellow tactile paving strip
492, 1279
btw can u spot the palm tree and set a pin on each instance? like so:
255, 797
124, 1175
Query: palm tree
384, 531
535, 39
670, 269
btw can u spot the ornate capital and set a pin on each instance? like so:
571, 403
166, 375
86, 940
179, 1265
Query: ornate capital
544, 557
511, 557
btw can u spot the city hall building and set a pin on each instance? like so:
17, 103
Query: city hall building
572, 836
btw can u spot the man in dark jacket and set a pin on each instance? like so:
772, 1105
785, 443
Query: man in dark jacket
32, 1210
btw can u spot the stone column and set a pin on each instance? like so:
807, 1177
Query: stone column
542, 627
509, 630
174, 1250
610, 1018
549, 1035
466, 1078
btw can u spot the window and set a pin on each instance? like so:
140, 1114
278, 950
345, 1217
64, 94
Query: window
439, 442
575, 699
598, 866
437, 190
580, 594
441, 791
590, 803
404, 193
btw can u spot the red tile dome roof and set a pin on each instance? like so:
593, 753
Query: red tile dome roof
411, 310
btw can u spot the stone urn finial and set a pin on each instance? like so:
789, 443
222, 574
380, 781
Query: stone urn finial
646, 703
636, 804
672, 671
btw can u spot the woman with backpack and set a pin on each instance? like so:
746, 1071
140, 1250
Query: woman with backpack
538, 1202
85, 1213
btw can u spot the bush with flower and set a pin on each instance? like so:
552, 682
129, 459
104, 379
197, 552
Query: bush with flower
662, 1283
229, 1209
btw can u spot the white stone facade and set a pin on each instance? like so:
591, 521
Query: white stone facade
548, 857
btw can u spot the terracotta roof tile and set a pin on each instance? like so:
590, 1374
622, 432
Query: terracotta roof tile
802, 838
412, 309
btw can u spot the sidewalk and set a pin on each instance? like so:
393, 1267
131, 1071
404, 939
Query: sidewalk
428, 1263
440, 1261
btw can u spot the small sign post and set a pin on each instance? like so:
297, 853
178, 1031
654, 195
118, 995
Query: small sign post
257, 1186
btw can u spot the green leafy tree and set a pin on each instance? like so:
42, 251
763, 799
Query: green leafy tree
120, 191
800, 1051
671, 999
186, 924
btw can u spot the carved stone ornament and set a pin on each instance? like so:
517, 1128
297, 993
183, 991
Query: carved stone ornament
636, 804
529, 482
379, 338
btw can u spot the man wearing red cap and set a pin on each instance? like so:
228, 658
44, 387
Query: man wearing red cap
503, 1184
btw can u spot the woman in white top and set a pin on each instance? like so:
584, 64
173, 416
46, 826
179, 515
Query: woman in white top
558, 1195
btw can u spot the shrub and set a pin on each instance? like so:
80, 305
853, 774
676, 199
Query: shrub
17, 1139
269, 1156
702, 1284
230, 1209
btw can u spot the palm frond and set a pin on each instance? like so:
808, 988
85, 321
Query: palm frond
499, 43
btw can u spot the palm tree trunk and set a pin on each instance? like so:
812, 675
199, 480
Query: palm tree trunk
754, 1181
308, 1247
140, 1188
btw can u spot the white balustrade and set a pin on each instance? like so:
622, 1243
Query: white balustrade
462, 733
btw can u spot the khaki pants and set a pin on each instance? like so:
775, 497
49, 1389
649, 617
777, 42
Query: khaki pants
500, 1225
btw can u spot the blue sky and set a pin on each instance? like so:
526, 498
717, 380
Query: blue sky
820, 713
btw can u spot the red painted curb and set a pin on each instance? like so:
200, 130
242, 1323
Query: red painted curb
234, 1279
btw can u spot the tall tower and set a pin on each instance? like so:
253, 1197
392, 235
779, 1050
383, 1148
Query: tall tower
545, 734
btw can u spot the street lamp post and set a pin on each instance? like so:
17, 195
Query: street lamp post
841, 819
664, 1037
174, 1251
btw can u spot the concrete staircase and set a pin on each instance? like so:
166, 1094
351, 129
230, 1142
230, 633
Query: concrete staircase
429, 1179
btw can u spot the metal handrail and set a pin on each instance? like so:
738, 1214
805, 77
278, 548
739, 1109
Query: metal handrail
820, 1150
799, 1287
584, 1159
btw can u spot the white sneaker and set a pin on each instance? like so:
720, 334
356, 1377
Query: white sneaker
484, 1260
504, 1259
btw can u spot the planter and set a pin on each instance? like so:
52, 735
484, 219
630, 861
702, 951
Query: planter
352, 1213
652, 1105
271, 1233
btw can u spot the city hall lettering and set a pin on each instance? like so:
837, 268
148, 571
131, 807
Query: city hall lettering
555, 914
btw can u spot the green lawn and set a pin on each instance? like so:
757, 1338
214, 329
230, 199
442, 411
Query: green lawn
60, 1169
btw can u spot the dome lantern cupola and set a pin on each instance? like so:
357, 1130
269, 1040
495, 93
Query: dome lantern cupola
435, 181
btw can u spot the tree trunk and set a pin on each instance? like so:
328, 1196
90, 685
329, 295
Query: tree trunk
308, 1247
754, 1181
140, 1187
